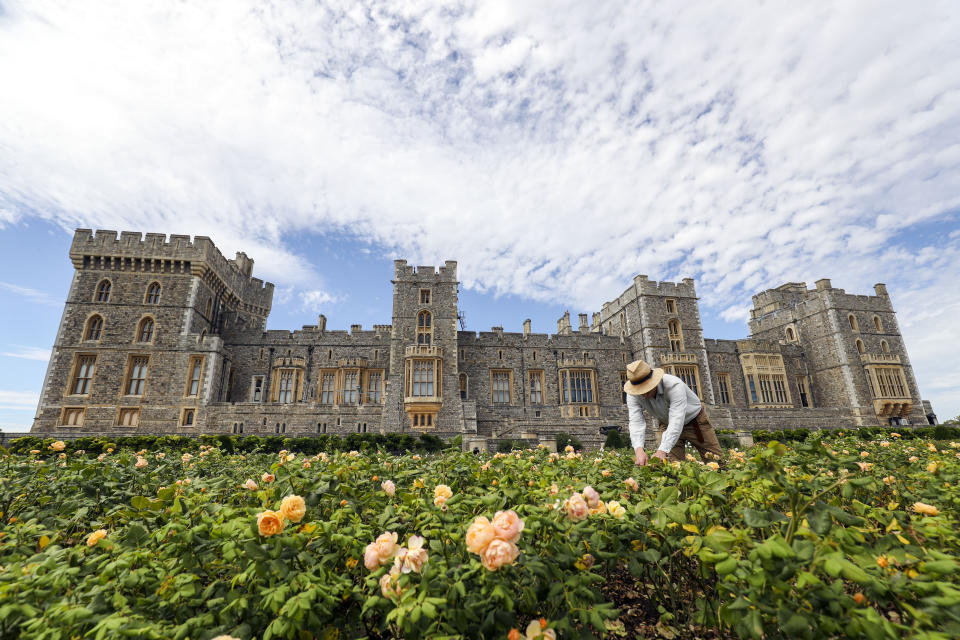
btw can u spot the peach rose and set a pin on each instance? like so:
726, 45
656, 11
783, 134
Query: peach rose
576, 507
388, 584
568, 448
926, 509
306, 464
34, 451
96, 537
507, 525
293, 508
713, 465
388, 487
186, 457
386, 547
371, 557
912, 459
413, 557
498, 553
605, 473
441, 502
59, 445
250, 484
554, 489
479, 535
591, 496
269, 523
267, 477
141, 462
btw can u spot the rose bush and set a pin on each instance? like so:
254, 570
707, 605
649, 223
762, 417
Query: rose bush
799, 541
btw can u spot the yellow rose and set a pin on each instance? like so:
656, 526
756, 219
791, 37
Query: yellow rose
932, 467
59, 445
616, 509
712, 465
269, 523
96, 537
926, 509
443, 491
293, 508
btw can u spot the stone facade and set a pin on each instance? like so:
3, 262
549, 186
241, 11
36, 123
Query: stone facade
165, 335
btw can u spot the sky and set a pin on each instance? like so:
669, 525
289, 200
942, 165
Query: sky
554, 149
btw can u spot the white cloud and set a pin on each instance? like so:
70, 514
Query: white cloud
28, 353
18, 400
554, 149
316, 300
31, 295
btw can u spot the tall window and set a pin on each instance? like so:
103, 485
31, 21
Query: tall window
853, 322
424, 296
145, 330
671, 306
889, 382
350, 385
877, 325
536, 387
193, 375
424, 328
257, 392
623, 392
83, 375
766, 379
859, 346
94, 328
285, 393
209, 308
802, 391
688, 374
188, 416
676, 337
374, 387
791, 336
500, 387
753, 389
103, 291
153, 293
327, 386
137, 375
463, 386
577, 386
723, 385
884, 347
423, 378
128, 417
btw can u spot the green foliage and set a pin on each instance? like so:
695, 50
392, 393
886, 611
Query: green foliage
616, 440
802, 539
939, 432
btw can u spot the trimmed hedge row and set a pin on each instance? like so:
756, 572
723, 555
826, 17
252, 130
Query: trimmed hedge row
939, 432
392, 442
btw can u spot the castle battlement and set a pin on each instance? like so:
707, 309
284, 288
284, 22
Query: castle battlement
446, 273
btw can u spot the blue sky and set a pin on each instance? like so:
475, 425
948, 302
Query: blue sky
554, 149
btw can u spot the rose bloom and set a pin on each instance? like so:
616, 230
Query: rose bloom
96, 537
479, 535
507, 525
889, 480
141, 462
414, 556
293, 508
865, 466
388, 487
59, 445
186, 457
442, 490
605, 473
250, 484
932, 467
713, 465
441, 502
591, 496
34, 450
926, 509
554, 489
498, 553
912, 459
884, 444
385, 547
864, 454
568, 449
161, 456
269, 523
576, 507
630, 482
616, 509
267, 477
895, 435
388, 584
537, 630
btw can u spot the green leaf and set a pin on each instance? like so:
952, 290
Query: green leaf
762, 519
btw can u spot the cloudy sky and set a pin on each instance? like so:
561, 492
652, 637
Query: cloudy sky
554, 149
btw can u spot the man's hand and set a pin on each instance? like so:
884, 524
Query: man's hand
660, 454
641, 457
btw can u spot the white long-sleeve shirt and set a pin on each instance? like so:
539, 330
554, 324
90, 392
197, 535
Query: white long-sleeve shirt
674, 405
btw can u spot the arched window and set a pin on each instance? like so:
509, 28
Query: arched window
859, 346
676, 337
94, 328
791, 336
103, 291
145, 330
153, 293
853, 322
424, 329
884, 346
877, 325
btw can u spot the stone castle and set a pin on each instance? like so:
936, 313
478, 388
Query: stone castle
166, 335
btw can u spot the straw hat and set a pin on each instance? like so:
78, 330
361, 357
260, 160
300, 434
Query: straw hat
641, 378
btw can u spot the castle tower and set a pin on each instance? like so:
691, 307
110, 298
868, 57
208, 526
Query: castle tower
138, 347
422, 393
661, 322
852, 345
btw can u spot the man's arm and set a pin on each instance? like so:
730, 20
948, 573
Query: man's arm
677, 396
638, 428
